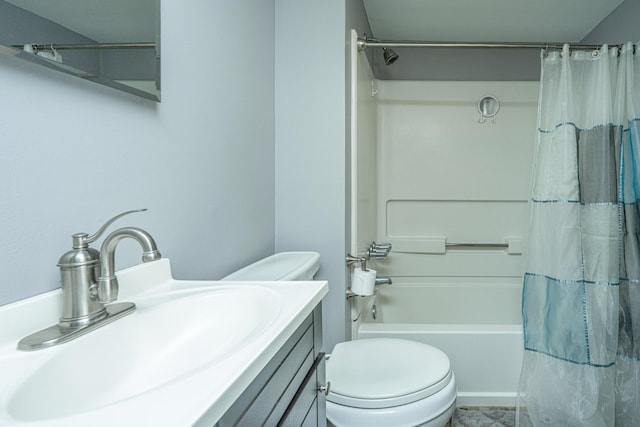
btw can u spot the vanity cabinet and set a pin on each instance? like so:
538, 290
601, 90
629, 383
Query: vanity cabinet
286, 392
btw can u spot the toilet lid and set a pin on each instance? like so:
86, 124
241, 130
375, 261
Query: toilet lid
385, 372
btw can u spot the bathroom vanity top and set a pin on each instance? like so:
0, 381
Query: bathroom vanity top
182, 358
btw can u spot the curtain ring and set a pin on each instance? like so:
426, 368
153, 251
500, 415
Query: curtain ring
595, 53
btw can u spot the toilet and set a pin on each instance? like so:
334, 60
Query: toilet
377, 382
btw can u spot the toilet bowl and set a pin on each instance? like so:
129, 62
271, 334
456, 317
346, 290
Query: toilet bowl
378, 382
388, 382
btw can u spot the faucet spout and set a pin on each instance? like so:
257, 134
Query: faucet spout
383, 281
108, 282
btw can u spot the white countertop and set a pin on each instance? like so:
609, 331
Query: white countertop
198, 398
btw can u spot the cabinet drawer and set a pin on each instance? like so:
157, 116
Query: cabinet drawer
291, 391
311, 420
303, 409
265, 400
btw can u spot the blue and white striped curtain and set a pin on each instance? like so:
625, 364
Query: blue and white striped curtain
581, 296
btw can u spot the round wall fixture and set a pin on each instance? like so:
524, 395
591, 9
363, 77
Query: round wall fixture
488, 107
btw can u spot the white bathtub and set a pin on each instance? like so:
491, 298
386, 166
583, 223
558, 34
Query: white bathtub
477, 322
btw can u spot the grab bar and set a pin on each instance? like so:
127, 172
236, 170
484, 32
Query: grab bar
512, 245
478, 245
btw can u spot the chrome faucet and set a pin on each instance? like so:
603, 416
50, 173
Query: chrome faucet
107, 281
381, 280
89, 284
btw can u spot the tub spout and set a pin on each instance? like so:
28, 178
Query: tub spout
108, 282
383, 281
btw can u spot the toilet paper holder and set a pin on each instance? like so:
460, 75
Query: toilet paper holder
354, 260
375, 250
350, 294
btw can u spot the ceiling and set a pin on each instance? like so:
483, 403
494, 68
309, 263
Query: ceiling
426, 20
101, 20
486, 20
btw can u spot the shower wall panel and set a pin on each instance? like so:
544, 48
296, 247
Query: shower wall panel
444, 177
363, 155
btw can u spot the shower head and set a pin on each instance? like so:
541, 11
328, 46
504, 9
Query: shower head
389, 55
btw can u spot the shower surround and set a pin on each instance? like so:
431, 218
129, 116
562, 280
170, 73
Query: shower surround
451, 195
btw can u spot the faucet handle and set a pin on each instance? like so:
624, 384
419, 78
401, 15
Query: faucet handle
379, 250
82, 240
382, 246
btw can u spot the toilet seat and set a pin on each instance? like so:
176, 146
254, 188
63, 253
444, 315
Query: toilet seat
385, 372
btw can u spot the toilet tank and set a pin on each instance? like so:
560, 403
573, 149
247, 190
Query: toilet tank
280, 266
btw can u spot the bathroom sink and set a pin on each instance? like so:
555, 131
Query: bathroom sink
181, 358
169, 336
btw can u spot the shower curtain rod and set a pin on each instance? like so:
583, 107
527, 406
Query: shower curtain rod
366, 42
54, 46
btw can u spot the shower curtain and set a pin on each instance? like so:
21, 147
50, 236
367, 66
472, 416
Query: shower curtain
581, 291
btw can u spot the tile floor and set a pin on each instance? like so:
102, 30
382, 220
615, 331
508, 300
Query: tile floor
484, 417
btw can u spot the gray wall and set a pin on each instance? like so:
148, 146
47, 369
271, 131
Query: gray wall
459, 64
498, 64
75, 153
202, 161
310, 142
619, 27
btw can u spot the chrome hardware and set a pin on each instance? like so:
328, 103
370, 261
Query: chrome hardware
352, 260
88, 283
79, 269
82, 240
385, 246
378, 250
478, 245
383, 281
352, 295
325, 388
108, 282
375, 250
378, 281
488, 108
374, 312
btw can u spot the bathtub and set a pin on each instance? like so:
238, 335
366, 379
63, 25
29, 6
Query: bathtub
476, 322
